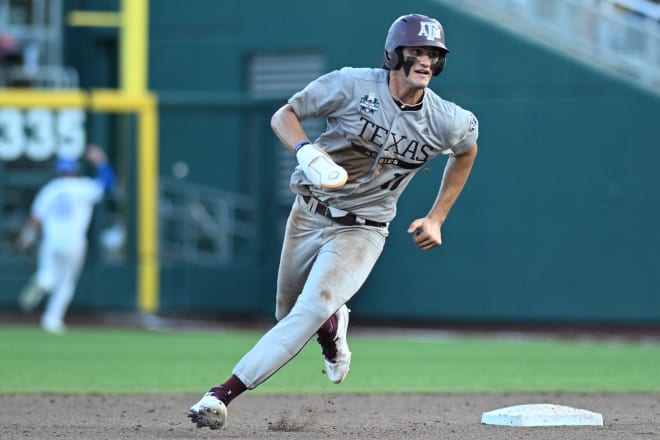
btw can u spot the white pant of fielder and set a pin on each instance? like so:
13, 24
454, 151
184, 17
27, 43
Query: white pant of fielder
58, 272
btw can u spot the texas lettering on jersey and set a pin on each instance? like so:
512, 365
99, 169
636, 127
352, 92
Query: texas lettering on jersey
400, 145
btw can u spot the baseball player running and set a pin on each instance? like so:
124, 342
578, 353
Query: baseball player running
383, 126
62, 209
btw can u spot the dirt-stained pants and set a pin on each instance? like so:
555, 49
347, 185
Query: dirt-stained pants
323, 264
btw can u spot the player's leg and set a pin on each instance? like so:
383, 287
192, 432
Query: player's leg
344, 261
70, 265
303, 238
31, 295
42, 281
332, 335
341, 267
301, 243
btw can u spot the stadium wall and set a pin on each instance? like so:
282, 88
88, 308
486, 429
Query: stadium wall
558, 222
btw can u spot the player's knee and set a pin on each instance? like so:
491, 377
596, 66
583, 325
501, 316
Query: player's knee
45, 282
317, 308
281, 310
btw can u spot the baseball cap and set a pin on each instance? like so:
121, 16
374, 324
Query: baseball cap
66, 166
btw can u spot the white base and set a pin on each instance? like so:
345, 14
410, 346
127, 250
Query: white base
543, 414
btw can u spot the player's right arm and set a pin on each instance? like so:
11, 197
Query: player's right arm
287, 127
318, 166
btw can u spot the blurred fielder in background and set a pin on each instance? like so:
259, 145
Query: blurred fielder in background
383, 126
62, 210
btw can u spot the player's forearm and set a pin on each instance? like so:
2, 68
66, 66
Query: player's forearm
28, 234
106, 175
455, 176
287, 127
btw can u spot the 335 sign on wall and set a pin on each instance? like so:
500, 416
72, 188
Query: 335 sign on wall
41, 133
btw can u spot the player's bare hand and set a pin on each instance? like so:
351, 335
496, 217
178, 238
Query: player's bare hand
95, 154
426, 233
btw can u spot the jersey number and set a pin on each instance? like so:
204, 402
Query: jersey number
395, 182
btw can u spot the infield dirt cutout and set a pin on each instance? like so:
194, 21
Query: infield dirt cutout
337, 416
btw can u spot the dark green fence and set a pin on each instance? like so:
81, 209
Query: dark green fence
558, 222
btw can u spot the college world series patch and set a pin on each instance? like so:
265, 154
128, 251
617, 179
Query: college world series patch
369, 103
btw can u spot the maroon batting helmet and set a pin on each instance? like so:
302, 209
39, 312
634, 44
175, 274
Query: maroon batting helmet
414, 30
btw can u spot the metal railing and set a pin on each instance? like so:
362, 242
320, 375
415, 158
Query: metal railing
621, 36
36, 29
44, 77
202, 225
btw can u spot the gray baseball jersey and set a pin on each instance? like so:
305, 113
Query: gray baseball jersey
380, 145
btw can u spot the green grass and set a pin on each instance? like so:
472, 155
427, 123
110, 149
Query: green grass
136, 361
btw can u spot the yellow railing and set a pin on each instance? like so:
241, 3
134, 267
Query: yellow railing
133, 97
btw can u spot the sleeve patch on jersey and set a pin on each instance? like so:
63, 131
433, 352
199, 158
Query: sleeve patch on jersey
472, 125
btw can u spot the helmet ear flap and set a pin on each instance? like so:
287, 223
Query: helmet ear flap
393, 60
440, 64
399, 58
386, 60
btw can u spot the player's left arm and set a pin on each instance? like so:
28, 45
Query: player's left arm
97, 157
427, 230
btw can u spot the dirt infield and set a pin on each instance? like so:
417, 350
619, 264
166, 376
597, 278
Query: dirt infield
382, 417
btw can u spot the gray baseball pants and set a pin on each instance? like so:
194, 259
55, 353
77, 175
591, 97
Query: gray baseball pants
322, 266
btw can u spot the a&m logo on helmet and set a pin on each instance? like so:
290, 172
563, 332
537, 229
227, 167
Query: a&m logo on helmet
430, 30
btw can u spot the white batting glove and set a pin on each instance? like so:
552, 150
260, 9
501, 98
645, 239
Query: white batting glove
319, 167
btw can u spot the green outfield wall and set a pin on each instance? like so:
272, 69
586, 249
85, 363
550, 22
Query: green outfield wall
558, 223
